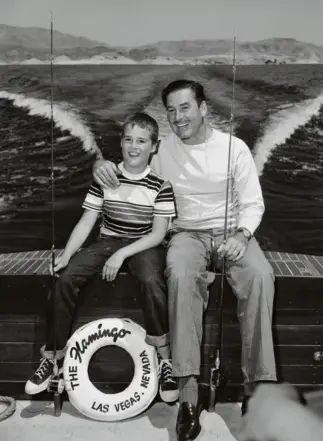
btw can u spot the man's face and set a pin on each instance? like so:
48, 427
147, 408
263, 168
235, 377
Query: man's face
186, 117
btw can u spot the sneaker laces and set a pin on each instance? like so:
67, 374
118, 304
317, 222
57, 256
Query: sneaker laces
165, 370
44, 365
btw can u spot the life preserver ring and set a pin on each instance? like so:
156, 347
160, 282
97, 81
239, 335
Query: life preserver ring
84, 396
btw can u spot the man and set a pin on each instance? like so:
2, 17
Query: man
194, 159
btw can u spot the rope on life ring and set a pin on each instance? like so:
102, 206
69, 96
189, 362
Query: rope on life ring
89, 400
10, 409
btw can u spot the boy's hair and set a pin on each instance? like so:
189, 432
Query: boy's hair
144, 121
196, 87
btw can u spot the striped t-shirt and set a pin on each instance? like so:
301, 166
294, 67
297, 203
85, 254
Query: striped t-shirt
128, 211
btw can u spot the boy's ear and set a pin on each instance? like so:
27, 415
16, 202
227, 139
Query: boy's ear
155, 147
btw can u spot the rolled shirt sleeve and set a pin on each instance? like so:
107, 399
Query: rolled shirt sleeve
94, 198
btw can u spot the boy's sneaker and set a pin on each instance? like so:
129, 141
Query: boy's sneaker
168, 386
38, 382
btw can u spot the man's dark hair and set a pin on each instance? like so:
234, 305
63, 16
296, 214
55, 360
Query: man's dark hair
144, 121
196, 87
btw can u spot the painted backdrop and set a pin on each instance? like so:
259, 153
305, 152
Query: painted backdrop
278, 113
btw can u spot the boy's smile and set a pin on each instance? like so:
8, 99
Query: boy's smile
137, 147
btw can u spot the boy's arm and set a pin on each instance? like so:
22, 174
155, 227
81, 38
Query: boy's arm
114, 263
151, 240
80, 232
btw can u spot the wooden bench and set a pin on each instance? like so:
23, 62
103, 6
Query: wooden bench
297, 326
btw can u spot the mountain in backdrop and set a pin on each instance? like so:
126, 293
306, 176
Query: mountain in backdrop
270, 50
32, 45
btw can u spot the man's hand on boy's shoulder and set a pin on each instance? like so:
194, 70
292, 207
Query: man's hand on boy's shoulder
105, 173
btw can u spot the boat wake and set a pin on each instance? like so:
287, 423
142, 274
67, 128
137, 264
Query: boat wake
282, 125
64, 116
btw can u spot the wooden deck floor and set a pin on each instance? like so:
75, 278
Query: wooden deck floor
284, 264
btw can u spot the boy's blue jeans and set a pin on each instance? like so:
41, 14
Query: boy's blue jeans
148, 266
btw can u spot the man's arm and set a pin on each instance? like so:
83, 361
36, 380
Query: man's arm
248, 186
251, 204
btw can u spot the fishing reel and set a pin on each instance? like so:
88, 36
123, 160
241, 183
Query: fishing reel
216, 381
56, 387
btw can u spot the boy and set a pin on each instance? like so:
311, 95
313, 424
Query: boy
135, 221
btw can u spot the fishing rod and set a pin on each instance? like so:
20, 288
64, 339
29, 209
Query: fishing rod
55, 384
217, 378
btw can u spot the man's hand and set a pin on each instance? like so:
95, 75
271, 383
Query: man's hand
105, 174
60, 263
269, 403
112, 266
234, 248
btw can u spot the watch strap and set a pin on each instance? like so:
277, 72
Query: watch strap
245, 232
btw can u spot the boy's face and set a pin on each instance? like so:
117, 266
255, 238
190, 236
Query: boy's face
137, 147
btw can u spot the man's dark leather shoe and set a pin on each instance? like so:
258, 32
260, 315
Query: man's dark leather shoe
188, 424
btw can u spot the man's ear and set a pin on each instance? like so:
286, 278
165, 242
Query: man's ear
203, 109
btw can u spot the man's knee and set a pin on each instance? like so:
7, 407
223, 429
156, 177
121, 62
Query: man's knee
181, 264
181, 269
184, 281
261, 271
253, 278
262, 279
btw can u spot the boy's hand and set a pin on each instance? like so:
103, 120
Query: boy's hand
112, 266
60, 263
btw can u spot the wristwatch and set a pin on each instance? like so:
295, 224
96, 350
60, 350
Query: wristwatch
246, 233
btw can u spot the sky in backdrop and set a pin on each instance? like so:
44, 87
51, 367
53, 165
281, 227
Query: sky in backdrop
138, 22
